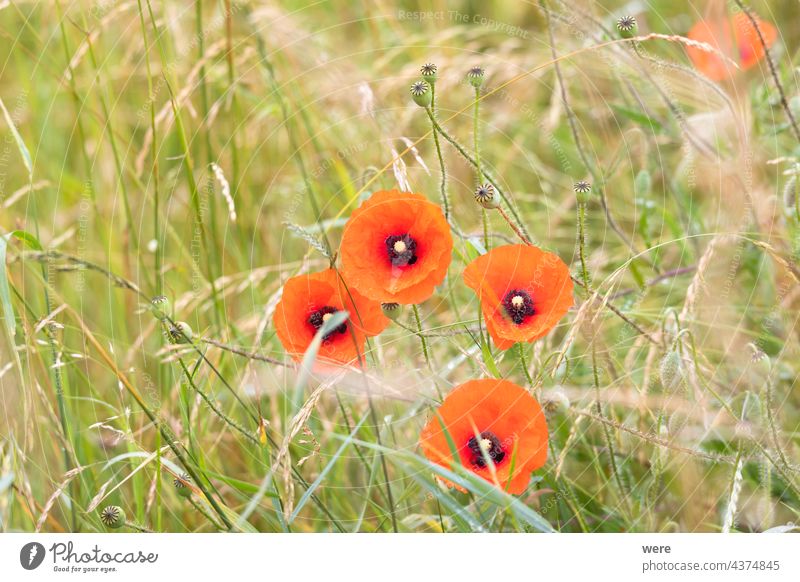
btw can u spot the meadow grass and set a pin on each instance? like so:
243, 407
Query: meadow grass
207, 151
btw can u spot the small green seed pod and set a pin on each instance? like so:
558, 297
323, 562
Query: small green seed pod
476, 76
182, 485
643, 183
627, 26
180, 333
421, 93
670, 370
759, 360
161, 306
391, 310
113, 516
429, 73
485, 196
582, 190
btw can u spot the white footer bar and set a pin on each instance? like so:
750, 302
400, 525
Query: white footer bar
407, 557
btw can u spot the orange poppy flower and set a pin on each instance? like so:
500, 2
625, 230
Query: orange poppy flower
396, 247
493, 419
524, 292
309, 300
735, 37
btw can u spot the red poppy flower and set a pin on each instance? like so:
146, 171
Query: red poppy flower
489, 419
396, 247
309, 300
524, 292
735, 37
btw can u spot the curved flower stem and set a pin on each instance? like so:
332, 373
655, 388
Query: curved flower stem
513, 226
467, 156
524, 364
210, 403
582, 247
443, 183
476, 134
421, 336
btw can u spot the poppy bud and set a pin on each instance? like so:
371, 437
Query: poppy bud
421, 93
391, 310
485, 196
643, 183
113, 516
670, 370
180, 333
181, 484
475, 76
627, 26
161, 306
582, 190
429, 73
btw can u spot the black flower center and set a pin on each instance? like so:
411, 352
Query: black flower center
518, 305
401, 250
487, 445
321, 315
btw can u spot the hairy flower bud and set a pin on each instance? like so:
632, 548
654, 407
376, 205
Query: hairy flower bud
670, 370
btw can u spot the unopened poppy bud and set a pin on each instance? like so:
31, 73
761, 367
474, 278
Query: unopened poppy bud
670, 370
627, 26
485, 196
643, 183
475, 76
429, 73
421, 93
161, 306
113, 516
582, 190
180, 333
391, 310
181, 484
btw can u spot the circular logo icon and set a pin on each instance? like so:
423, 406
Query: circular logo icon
31, 555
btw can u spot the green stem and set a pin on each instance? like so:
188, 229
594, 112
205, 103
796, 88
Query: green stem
595, 376
476, 135
443, 171
467, 156
421, 336
524, 364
